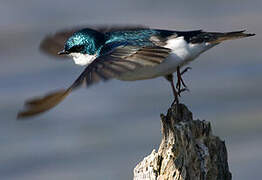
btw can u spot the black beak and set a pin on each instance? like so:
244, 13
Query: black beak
63, 52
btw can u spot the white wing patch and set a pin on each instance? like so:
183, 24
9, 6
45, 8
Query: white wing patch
82, 59
184, 50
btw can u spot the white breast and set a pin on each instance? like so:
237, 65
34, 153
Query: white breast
82, 59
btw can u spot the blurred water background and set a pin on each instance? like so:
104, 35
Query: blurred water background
104, 131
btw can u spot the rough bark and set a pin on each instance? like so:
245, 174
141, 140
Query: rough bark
188, 151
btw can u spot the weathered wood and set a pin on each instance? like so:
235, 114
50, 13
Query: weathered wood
188, 151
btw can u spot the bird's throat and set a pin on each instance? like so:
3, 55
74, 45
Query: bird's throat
82, 59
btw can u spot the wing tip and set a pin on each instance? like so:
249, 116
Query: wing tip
22, 115
39, 105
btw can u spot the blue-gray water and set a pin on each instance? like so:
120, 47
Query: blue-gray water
104, 131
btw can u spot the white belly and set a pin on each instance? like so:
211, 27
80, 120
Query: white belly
168, 66
182, 54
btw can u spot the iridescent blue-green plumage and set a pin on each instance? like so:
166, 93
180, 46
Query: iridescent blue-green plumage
143, 37
86, 41
138, 37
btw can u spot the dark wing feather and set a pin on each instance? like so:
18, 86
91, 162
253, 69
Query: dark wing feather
122, 59
54, 43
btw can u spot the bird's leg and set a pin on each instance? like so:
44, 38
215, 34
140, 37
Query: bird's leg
175, 93
185, 70
180, 81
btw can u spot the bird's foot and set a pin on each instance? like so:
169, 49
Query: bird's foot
180, 85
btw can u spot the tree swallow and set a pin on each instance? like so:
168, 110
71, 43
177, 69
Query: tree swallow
125, 53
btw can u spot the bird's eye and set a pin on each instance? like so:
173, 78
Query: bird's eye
77, 48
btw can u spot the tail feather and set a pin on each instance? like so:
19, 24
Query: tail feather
217, 37
42, 104
220, 37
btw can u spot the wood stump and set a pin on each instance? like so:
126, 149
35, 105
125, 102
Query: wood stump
188, 151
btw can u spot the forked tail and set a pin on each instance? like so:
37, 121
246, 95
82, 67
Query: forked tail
217, 37
231, 35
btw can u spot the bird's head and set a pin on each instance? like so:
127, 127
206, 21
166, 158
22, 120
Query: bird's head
83, 44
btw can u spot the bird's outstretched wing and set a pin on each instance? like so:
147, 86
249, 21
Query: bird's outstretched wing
120, 60
54, 43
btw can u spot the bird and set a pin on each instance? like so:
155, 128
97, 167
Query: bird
127, 53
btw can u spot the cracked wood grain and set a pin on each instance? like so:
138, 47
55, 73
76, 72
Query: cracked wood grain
188, 151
